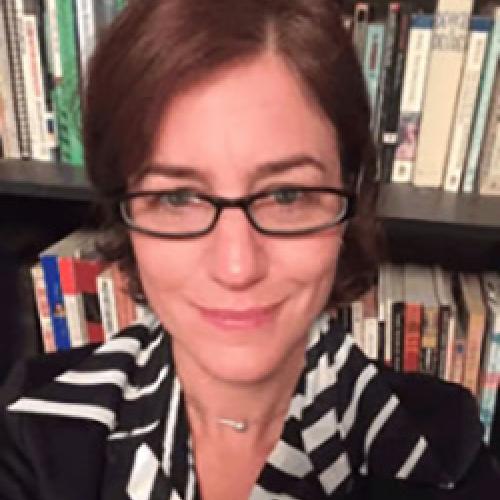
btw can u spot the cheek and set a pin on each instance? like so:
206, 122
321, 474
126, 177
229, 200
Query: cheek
163, 265
312, 261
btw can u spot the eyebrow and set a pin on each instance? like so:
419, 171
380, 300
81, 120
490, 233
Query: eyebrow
263, 170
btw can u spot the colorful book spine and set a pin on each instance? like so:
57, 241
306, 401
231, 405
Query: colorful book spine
43, 308
411, 339
480, 28
65, 94
485, 92
79, 286
419, 43
9, 133
449, 42
50, 266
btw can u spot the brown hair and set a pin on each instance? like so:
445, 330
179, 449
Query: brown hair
155, 49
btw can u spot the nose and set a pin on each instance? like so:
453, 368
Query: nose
237, 258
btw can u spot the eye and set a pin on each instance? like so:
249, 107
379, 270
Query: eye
287, 196
178, 198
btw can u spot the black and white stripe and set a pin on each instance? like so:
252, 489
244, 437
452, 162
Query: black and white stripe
343, 420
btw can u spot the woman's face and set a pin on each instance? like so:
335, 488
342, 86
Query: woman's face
237, 303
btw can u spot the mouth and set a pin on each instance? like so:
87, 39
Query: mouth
247, 318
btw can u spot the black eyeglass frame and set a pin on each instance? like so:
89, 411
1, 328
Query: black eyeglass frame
243, 203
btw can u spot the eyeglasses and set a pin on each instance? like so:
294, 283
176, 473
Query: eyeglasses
184, 213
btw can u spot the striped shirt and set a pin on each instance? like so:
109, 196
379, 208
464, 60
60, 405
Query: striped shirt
343, 421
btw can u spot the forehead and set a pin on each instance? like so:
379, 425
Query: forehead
243, 116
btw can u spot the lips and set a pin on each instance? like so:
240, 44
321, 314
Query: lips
239, 318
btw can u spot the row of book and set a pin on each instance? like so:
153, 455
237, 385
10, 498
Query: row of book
80, 299
44, 48
433, 81
434, 321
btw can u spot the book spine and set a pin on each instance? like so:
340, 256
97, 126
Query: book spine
372, 60
473, 352
107, 304
360, 28
66, 90
370, 329
86, 32
443, 339
478, 39
419, 43
486, 88
14, 38
397, 334
490, 381
10, 138
411, 341
43, 309
357, 323
488, 167
390, 136
385, 86
458, 359
73, 303
449, 41
55, 298
35, 90
429, 349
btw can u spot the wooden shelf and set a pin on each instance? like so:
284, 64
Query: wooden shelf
43, 180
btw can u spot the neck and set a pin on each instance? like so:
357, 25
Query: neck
261, 406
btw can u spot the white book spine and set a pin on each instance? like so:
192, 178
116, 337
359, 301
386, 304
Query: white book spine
107, 304
465, 109
7, 113
449, 40
53, 40
35, 91
357, 323
481, 116
419, 43
370, 329
86, 32
75, 316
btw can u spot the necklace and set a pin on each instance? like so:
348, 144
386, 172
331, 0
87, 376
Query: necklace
237, 425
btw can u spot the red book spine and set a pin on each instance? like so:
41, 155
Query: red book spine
411, 342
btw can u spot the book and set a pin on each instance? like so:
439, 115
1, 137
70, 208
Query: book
14, 45
490, 367
79, 287
415, 74
379, 122
413, 322
449, 41
473, 319
65, 93
390, 133
397, 313
447, 320
384, 307
85, 17
485, 93
372, 60
43, 309
480, 28
107, 303
489, 170
8, 123
360, 27
69, 246
370, 325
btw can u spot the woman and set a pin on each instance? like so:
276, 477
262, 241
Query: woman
226, 144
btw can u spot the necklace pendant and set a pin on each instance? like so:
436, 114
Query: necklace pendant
237, 425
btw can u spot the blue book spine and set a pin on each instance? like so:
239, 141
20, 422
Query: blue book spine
56, 301
373, 60
485, 92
